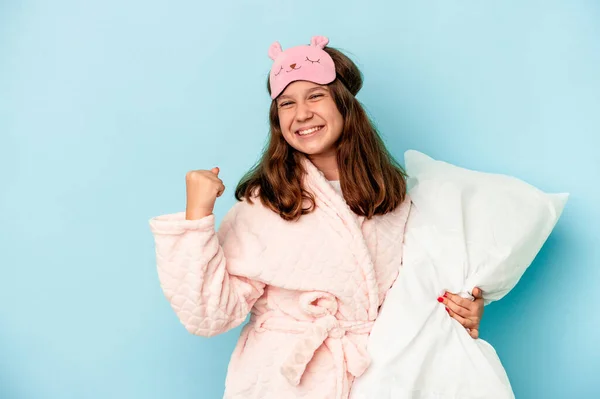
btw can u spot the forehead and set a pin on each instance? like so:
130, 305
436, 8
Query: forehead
300, 87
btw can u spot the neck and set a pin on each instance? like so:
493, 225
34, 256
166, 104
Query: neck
326, 164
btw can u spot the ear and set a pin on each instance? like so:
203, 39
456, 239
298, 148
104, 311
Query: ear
319, 41
275, 50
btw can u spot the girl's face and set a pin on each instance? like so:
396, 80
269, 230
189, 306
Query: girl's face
309, 119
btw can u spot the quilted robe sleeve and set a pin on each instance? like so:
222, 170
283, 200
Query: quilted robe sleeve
192, 261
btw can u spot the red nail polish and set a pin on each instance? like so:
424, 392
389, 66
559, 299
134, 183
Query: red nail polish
445, 295
448, 310
440, 300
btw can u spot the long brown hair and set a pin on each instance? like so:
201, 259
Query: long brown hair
372, 181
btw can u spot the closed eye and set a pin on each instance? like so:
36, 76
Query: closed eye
316, 96
279, 71
307, 59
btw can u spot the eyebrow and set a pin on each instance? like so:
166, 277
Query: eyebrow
283, 96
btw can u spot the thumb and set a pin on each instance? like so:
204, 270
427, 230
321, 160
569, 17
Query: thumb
215, 170
477, 292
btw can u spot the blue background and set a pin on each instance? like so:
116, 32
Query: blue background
105, 105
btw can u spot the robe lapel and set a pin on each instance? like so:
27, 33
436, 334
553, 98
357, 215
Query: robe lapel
348, 224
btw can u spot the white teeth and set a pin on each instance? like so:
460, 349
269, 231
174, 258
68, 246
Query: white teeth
309, 131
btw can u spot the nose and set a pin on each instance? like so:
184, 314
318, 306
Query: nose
303, 111
293, 66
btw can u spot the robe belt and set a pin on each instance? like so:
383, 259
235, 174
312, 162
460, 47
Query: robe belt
324, 330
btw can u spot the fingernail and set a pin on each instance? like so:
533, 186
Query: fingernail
447, 310
440, 300
445, 295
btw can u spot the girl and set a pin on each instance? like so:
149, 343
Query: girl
310, 248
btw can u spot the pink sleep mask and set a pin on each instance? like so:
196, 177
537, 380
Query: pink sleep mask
306, 62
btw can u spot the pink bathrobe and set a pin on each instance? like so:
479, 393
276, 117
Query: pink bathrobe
313, 288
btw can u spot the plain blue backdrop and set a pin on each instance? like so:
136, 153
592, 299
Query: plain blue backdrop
104, 105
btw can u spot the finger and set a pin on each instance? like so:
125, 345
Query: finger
479, 308
214, 178
474, 333
464, 312
460, 301
477, 293
221, 190
215, 170
463, 321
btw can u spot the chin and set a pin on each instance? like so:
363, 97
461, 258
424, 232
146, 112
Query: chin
314, 151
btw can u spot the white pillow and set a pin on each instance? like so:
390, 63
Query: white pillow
466, 229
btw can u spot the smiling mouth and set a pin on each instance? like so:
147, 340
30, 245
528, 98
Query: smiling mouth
308, 132
293, 69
